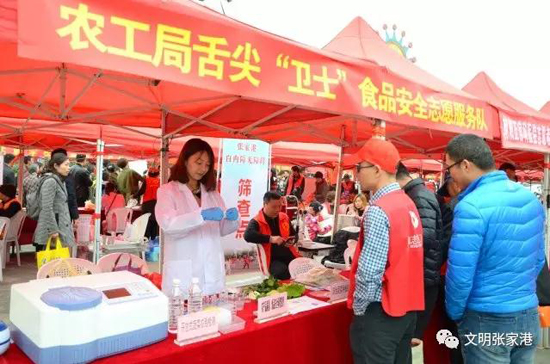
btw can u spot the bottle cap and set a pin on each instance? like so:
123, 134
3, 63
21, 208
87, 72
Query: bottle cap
176, 281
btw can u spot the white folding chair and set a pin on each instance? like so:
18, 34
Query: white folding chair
301, 265
352, 244
348, 257
14, 232
139, 226
122, 217
4, 227
137, 232
68, 267
107, 263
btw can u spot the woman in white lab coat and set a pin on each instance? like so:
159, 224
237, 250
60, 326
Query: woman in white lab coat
193, 216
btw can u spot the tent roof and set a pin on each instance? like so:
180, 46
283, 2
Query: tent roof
485, 88
71, 93
361, 41
546, 108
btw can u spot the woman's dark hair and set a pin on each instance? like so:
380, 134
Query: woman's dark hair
111, 168
296, 169
179, 170
59, 159
316, 206
110, 187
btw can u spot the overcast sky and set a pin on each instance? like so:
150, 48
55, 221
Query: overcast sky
453, 40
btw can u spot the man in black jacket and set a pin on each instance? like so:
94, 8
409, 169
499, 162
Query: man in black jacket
9, 174
82, 180
430, 216
447, 196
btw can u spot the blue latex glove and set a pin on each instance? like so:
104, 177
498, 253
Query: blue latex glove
232, 214
212, 214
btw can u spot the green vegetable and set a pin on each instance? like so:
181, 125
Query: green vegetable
293, 290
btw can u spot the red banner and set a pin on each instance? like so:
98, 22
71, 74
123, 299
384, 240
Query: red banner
189, 45
524, 133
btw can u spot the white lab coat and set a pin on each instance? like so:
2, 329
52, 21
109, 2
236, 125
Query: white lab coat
192, 246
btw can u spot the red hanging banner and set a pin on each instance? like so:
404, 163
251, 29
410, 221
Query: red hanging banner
189, 45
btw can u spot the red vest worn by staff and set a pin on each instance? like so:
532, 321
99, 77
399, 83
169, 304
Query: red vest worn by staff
403, 280
152, 184
284, 228
292, 185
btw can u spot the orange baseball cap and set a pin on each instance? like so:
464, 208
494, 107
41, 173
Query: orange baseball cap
378, 152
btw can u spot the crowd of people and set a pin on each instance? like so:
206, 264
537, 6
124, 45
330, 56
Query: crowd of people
60, 189
479, 244
476, 246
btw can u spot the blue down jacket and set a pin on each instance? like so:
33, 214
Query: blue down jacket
496, 250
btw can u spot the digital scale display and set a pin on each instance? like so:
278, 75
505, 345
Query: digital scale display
116, 293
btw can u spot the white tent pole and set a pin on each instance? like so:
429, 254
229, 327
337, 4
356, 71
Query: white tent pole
338, 183
97, 215
21, 174
163, 178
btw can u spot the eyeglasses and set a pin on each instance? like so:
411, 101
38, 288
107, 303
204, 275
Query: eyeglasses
448, 169
359, 167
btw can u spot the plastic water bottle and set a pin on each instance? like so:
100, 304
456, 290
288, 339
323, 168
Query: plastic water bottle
175, 306
195, 297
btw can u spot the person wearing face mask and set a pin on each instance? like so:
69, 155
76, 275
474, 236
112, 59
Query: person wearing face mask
193, 217
54, 219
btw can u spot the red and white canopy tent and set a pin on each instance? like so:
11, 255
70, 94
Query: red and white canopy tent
525, 132
186, 70
298, 94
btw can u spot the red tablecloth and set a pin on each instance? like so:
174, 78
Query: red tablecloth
318, 336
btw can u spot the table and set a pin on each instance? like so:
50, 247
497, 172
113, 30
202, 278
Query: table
316, 248
313, 337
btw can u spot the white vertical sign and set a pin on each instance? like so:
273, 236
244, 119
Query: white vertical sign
244, 177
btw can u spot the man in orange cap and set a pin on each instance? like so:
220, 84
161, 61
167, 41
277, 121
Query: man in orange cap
387, 273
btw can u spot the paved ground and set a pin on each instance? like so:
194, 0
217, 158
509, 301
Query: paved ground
14, 274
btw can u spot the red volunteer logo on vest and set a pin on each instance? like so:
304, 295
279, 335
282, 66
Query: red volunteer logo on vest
415, 241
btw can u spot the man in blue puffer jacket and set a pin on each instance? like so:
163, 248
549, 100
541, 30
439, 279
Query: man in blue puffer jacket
495, 256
